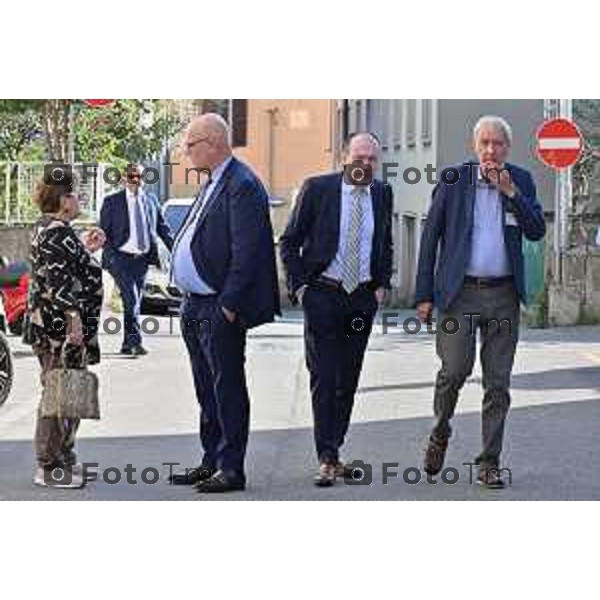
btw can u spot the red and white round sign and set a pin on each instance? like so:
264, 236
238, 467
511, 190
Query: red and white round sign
559, 143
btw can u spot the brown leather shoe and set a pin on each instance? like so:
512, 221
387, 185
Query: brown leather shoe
489, 477
434, 456
327, 475
342, 470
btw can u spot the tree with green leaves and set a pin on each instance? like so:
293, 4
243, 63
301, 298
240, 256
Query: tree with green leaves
125, 131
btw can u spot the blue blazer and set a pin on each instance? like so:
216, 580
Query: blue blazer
446, 238
114, 220
311, 239
233, 247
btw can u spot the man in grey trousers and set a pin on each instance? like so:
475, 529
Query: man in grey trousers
471, 269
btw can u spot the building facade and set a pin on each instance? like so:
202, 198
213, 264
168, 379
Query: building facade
421, 134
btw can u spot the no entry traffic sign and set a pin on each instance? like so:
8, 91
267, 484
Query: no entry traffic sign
98, 103
559, 143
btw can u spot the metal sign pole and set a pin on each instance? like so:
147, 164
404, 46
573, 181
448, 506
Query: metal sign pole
552, 110
566, 194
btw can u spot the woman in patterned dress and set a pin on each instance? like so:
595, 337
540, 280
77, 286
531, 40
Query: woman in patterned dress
64, 304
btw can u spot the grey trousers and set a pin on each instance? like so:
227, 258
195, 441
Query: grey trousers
492, 312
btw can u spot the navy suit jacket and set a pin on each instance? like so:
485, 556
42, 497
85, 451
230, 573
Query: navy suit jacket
446, 238
311, 239
233, 247
114, 220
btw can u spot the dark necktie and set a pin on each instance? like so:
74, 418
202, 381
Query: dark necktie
193, 213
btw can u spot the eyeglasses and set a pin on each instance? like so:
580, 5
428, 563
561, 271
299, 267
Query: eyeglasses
189, 145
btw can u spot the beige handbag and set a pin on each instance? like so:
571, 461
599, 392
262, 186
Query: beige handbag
70, 393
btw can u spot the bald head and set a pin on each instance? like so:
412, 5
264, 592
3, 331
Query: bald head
362, 147
206, 140
210, 125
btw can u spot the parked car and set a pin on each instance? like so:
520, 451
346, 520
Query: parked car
159, 296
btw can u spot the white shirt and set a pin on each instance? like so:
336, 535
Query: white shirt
131, 246
335, 270
184, 273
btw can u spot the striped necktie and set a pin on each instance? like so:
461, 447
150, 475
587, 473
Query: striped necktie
351, 264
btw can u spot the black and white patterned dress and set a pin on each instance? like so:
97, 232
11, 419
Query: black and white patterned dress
64, 276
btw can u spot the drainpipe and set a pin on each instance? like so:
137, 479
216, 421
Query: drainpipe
272, 118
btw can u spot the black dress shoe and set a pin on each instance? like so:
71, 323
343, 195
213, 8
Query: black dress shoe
192, 476
139, 351
126, 351
221, 483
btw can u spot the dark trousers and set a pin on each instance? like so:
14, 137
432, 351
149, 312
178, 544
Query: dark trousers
129, 273
335, 349
495, 313
217, 353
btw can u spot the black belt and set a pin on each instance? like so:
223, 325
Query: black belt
201, 296
328, 282
488, 282
132, 255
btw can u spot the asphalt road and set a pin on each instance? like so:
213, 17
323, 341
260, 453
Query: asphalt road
150, 418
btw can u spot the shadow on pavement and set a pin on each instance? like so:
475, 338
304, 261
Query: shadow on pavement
553, 451
555, 379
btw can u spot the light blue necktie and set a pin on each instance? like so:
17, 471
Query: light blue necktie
140, 225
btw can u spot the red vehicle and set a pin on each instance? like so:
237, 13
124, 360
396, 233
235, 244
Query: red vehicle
14, 288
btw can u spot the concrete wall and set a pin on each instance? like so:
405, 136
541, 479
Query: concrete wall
577, 300
15, 242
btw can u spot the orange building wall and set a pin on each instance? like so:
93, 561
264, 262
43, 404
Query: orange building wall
296, 145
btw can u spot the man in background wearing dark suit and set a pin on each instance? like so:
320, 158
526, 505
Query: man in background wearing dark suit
224, 263
337, 252
472, 240
132, 222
